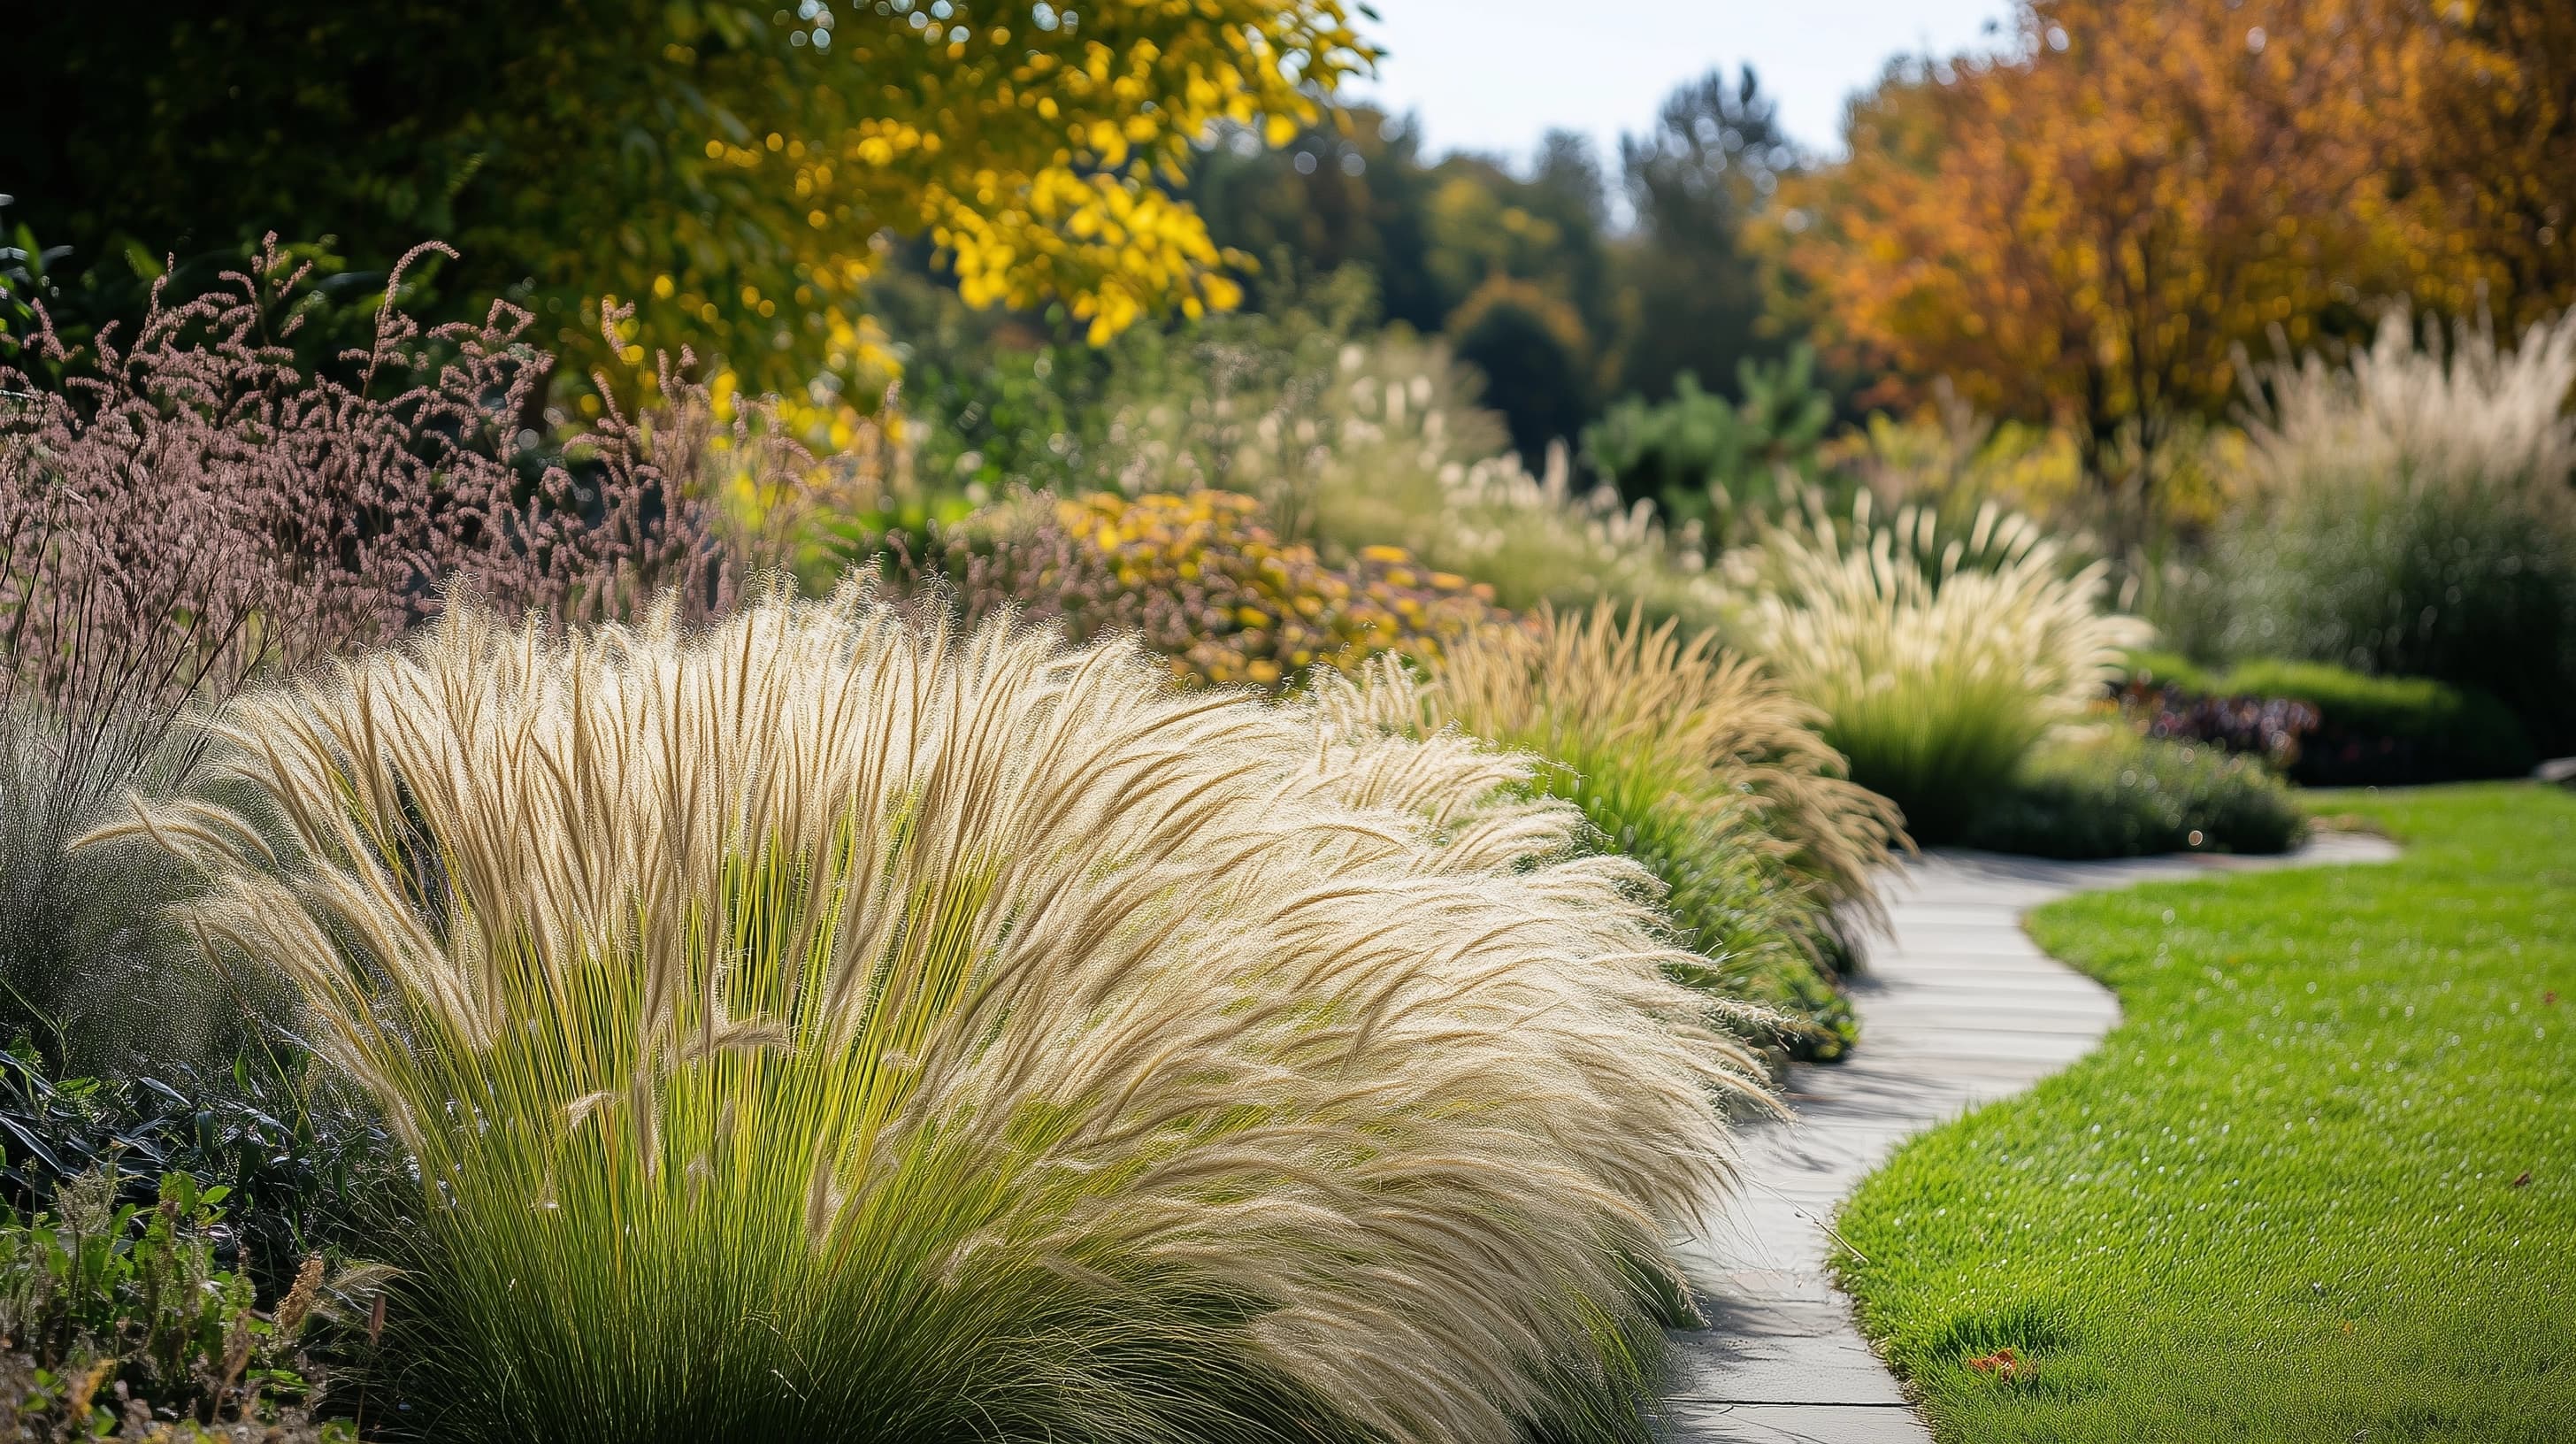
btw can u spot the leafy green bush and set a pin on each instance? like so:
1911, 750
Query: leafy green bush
1938, 661
2389, 729
2121, 795
119, 1314
2413, 516
1717, 462
831, 1025
304, 1168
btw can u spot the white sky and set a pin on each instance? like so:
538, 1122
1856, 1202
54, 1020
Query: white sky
1493, 75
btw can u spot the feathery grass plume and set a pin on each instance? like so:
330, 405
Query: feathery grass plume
832, 1024
1703, 768
1395, 451
2412, 514
1937, 661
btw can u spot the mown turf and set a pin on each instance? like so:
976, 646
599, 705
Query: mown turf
2320, 1185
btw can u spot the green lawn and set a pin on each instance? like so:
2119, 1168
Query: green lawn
2320, 1185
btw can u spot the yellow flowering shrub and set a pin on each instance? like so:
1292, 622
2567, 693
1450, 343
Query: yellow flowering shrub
1039, 146
1203, 580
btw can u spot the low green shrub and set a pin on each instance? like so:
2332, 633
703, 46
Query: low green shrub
2116, 794
2329, 726
303, 1169
2389, 730
119, 1318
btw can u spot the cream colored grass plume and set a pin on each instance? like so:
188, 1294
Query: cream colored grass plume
1605, 691
833, 1025
1938, 660
1705, 771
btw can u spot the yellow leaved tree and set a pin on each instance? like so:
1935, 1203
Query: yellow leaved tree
732, 171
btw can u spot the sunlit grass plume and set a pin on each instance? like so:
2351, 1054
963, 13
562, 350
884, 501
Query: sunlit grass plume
1938, 660
1701, 766
831, 1024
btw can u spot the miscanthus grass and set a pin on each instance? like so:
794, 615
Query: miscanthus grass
1938, 660
832, 1024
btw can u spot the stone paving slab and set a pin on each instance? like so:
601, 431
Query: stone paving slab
1958, 1008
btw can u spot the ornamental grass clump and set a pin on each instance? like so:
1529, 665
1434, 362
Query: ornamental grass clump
2413, 513
835, 1025
1939, 662
1705, 769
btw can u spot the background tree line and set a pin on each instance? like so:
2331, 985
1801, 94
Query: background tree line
2085, 229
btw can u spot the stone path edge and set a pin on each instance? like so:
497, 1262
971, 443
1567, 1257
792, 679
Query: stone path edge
1958, 1009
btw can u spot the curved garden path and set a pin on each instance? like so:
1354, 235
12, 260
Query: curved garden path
1958, 1008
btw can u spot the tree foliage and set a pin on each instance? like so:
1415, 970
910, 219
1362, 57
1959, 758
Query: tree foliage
2499, 138
2096, 224
726, 168
1692, 298
1524, 268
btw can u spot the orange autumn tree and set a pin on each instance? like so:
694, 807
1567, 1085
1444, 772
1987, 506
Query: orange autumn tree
2089, 227
2498, 145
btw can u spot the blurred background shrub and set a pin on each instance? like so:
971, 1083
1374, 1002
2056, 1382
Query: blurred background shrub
2109, 792
1197, 577
1718, 463
2182, 701
2413, 513
2329, 726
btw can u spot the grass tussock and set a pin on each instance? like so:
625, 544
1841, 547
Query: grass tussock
2412, 514
1938, 660
1705, 769
834, 1025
